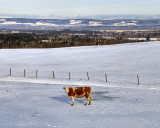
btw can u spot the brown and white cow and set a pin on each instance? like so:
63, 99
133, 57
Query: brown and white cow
78, 92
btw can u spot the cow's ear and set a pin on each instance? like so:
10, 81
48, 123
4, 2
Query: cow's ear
64, 88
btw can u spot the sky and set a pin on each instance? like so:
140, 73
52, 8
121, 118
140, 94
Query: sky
74, 8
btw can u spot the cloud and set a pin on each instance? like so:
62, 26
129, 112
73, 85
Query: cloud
9, 15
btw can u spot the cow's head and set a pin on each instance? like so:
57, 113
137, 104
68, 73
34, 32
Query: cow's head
66, 89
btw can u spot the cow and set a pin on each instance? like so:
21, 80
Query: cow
78, 92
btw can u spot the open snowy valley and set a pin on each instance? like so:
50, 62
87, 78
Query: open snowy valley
118, 102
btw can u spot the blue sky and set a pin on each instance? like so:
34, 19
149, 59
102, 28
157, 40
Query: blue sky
73, 8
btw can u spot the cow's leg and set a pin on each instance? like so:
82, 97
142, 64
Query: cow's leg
89, 99
72, 100
86, 100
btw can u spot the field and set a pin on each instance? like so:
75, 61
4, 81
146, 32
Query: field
41, 102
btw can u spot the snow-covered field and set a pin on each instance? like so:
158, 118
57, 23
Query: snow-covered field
120, 103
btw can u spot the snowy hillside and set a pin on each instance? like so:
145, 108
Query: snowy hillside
122, 63
42, 103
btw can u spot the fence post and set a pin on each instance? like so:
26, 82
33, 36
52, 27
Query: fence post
138, 79
88, 76
10, 72
36, 73
24, 73
53, 75
69, 76
106, 77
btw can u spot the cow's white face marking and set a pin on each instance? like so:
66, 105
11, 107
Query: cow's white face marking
66, 90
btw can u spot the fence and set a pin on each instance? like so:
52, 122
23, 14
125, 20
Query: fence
105, 78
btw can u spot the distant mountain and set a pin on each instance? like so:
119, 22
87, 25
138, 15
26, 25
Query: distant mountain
102, 17
107, 17
79, 24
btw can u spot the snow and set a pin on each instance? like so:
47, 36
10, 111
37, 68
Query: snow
2, 19
73, 22
31, 24
10, 22
42, 103
123, 23
94, 23
43, 24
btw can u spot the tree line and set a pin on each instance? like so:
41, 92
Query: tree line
33, 40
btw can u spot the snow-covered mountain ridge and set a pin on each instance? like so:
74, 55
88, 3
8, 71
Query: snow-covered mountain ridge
78, 23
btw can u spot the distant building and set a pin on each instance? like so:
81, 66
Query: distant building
46, 41
105, 37
138, 39
79, 35
153, 39
15, 32
143, 39
76, 35
119, 31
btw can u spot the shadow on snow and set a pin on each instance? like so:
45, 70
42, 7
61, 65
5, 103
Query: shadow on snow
103, 95
94, 96
67, 100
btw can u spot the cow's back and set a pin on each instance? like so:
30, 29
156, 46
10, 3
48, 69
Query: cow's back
79, 91
82, 91
87, 89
